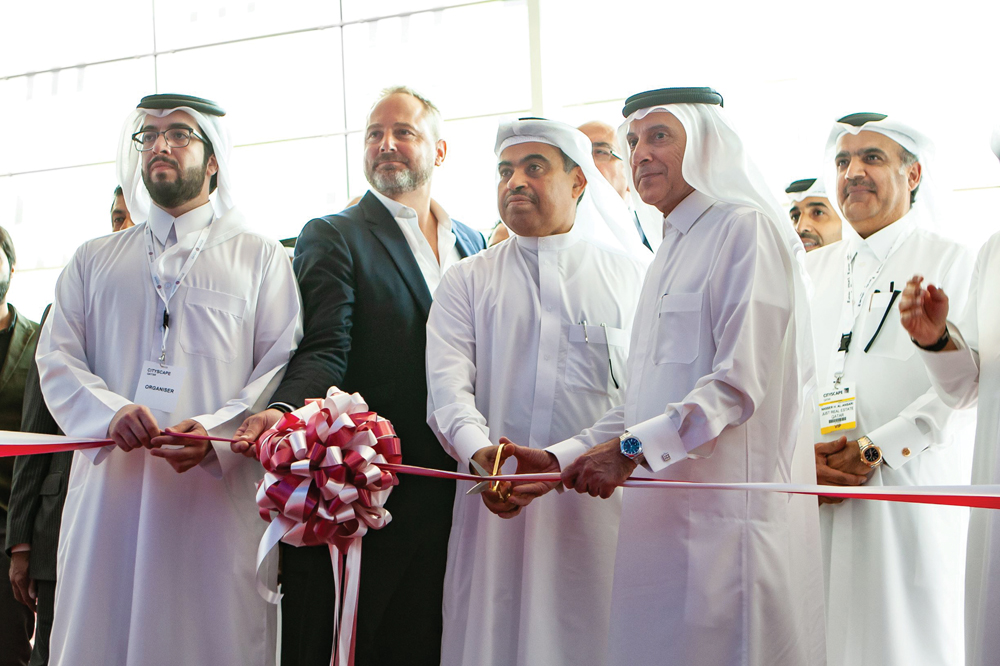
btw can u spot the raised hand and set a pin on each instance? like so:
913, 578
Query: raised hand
923, 312
251, 430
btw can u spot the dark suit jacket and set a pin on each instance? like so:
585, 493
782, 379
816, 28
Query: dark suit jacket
39, 488
20, 356
365, 305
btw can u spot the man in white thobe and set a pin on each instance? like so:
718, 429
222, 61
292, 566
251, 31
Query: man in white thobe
529, 340
719, 360
894, 571
962, 359
186, 320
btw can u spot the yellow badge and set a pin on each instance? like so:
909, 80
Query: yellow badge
838, 409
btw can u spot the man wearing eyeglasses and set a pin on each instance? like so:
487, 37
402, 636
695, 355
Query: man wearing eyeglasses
186, 320
608, 158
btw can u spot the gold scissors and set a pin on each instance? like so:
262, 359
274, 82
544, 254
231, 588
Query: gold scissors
481, 471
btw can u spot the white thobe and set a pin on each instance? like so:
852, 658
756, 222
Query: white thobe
156, 568
705, 577
894, 572
964, 378
431, 267
527, 341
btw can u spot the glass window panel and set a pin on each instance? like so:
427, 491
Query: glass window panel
272, 89
447, 56
70, 117
36, 36
31, 290
355, 10
46, 235
465, 185
185, 23
281, 186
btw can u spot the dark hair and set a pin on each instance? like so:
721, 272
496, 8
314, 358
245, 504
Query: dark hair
909, 159
209, 151
8, 247
114, 199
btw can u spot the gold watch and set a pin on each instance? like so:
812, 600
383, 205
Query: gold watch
871, 455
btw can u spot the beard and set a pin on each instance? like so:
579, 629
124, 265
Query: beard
166, 194
397, 181
4, 286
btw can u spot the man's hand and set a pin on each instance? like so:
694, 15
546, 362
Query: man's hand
132, 427
923, 312
251, 430
494, 499
531, 461
600, 470
193, 451
23, 585
834, 467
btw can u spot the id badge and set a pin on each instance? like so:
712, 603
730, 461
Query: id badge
838, 409
159, 386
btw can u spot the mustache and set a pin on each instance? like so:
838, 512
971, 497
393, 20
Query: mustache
520, 192
389, 157
868, 184
165, 160
811, 236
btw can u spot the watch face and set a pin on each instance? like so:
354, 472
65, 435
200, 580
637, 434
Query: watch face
872, 455
631, 447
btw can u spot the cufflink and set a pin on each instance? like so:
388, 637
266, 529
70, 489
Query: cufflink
665, 457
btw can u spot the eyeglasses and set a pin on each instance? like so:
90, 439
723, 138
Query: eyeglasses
605, 155
176, 137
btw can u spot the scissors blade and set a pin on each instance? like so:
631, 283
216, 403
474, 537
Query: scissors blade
482, 485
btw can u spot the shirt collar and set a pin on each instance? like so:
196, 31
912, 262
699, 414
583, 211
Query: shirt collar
160, 221
402, 211
13, 321
883, 240
687, 212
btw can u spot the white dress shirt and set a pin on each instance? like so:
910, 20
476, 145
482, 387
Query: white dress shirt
430, 266
707, 577
885, 559
965, 378
154, 565
528, 340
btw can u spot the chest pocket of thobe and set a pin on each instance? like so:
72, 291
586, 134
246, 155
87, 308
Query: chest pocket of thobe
212, 324
593, 356
892, 341
678, 329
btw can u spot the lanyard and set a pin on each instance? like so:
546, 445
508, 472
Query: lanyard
851, 306
166, 292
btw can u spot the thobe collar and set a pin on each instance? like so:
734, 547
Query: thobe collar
883, 240
160, 222
402, 211
687, 212
536, 244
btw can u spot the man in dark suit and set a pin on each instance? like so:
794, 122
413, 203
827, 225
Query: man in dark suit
367, 276
37, 495
18, 337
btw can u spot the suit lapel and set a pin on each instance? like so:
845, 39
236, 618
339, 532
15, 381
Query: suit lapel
466, 246
388, 233
15, 351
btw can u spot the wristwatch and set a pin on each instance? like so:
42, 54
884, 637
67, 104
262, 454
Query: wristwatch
871, 455
631, 447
